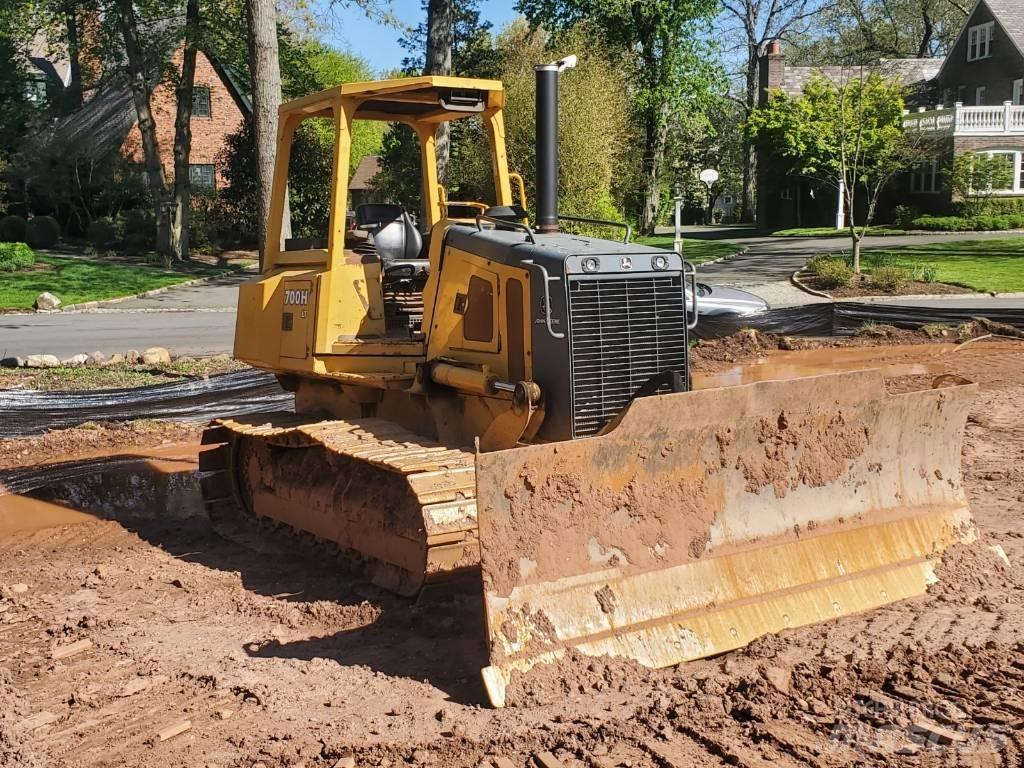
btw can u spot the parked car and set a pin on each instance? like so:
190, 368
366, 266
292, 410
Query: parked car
721, 301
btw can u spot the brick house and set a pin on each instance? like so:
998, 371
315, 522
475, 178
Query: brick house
108, 121
973, 99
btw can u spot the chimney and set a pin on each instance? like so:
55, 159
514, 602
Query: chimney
547, 141
771, 71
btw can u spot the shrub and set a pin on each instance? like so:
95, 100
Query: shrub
138, 222
42, 232
890, 279
831, 272
102, 233
903, 216
137, 244
981, 222
12, 229
929, 273
15, 256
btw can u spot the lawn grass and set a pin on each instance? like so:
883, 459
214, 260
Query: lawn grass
881, 229
695, 251
994, 266
75, 281
119, 376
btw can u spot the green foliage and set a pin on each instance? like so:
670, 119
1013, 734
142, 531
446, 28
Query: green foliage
890, 278
929, 273
832, 272
980, 223
974, 177
473, 55
15, 256
12, 229
42, 232
102, 233
903, 215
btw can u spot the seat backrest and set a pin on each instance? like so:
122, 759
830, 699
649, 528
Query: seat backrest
377, 214
397, 241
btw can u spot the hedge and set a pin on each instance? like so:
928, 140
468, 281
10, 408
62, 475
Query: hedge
995, 222
15, 256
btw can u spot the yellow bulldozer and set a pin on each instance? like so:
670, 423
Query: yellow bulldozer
476, 393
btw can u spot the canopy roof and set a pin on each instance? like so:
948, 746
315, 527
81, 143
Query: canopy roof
426, 99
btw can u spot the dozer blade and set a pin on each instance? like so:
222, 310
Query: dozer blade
707, 519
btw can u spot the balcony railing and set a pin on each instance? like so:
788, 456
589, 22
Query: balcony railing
1003, 119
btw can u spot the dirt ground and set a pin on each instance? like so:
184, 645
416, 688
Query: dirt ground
147, 639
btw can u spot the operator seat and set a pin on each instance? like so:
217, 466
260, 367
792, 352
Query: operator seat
394, 236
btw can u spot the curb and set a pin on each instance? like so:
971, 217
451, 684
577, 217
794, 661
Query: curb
795, 280
99, 304
740, 252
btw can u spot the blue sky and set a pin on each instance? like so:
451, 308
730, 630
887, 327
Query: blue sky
349, 28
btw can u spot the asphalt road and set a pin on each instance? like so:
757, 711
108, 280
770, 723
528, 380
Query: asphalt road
200, 320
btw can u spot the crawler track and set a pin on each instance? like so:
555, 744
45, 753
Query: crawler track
405, 504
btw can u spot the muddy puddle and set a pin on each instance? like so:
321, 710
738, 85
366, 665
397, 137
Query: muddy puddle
140, 482
892, 361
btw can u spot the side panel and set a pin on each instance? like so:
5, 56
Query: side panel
296, 321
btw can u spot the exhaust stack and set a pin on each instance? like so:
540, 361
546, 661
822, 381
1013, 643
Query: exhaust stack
547, 141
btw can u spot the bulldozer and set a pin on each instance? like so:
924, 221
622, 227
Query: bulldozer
483, 394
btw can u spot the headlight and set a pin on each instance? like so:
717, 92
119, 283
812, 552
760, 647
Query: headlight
590, 264
660, 263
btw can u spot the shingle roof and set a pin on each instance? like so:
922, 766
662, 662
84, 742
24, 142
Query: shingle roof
367, 169
910, 72
1010, 15
103, 122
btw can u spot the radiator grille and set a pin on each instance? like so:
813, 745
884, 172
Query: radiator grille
623, 331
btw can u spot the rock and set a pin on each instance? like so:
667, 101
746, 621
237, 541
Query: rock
115, 359
133, 356
786, 343
420, 756
75, 361
46, 301
12, 362
778, 677
345, 762
156, 356
42, 361
19, 588
97, 358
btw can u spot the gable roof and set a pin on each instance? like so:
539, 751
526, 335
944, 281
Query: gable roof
1008, 14
103, 123
366, 171
913, 73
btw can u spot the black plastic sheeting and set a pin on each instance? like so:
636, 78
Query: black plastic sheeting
30, 412
844, 318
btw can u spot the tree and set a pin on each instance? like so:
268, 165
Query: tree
265, 78
847, 135
974, 178
672, 67
183, 135
440, 34
141, 86
757, 22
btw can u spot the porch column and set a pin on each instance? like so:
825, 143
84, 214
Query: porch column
1007, 119
840, 208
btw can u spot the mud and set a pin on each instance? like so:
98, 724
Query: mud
279, 657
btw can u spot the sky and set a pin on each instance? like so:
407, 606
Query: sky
349, 28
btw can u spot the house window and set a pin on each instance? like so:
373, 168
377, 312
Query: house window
200, 101
1013, 158
202, 176
979, 96
727, 200
1018, 92
926, 178
961, 93
979, 41
35, 91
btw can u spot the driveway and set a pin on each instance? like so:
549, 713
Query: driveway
189, 320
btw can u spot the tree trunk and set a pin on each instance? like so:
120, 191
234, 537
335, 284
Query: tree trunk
73, 99
183, 135
748, 204
855, 250
654, 156
147, 128
265, 73
440, 37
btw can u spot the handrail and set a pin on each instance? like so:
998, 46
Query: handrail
605, 222
518, 179
506, 223
548, 279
